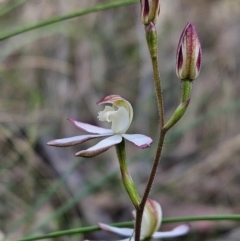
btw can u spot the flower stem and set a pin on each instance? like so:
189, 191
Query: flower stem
126, 177
232, 217
186, 89
151, 36
97, 8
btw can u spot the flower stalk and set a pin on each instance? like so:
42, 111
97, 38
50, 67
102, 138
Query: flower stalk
186, 89
126, 177
152, 41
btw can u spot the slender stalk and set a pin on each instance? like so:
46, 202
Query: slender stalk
12, 6
130, 224
151, 37
126, 177
66, 17
72, 232
186, 89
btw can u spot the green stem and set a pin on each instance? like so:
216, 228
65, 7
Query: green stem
151, 36
126, 177
228, 217
67, 16
11, 7
186, 89
73, 231
177, 115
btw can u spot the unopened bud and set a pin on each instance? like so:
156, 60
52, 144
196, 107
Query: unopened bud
150, 10
189, 54
152, 218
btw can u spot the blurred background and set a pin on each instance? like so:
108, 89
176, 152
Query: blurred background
60, 71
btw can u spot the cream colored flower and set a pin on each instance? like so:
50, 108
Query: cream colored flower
120, 114
151, 221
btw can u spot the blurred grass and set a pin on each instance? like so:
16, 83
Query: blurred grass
62, 70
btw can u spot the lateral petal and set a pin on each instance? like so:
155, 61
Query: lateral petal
100, 147
126, 232
139, 140
91, 128
178, 231
72, 141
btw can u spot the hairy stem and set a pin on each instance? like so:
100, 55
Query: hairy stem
151, 37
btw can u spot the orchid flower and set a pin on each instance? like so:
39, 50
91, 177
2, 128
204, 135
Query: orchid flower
120, 114
152, 218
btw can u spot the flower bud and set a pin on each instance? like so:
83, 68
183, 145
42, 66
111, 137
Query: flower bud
150, 10
152, 218
189, 54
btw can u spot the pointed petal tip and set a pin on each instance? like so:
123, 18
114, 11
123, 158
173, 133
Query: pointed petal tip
57, 143
139, 140
86, 154
182, 229
176, 232
101, 225
126, 232
145, 146
185, 227
50, 143
105, 227
70, 119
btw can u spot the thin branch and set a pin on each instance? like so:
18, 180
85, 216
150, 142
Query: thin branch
130, 224
66, 17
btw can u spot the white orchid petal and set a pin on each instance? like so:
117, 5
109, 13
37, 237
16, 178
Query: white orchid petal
158, 213
146, 225
120, 120
126, 232
139, 140
91, 128
72, 141
152, 218
100, 147
178, 231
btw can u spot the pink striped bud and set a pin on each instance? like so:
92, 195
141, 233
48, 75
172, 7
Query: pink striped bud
189, 54
150, 10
